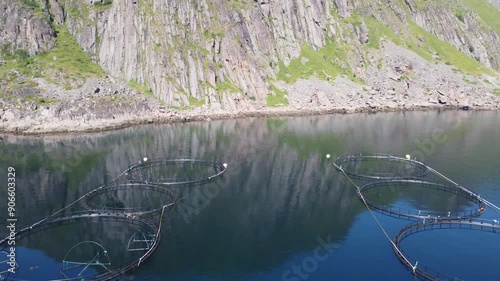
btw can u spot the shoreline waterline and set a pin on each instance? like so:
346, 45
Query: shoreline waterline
196, 115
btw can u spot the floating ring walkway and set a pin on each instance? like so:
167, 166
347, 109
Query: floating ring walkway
422, 214
387, 167
93, 216
423, 271
145, 175
153, 171
137, 211
409, 172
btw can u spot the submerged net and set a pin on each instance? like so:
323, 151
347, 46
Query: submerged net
380, 178
423, 271
130, 198
426, 199
380, 167
103, 258
171, 172
141, 192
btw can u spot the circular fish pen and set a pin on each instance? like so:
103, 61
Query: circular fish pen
107, 204
103, 269
129, 198
380, 167
395, 180
425, 272
175, 172
406, 212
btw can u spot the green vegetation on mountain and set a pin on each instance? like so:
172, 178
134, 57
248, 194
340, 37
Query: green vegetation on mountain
486, 11
278, 99
66, 65
447, 52
233, 55
378, 31
326, 64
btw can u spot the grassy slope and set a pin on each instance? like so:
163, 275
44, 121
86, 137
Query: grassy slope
450, 54
486, 11
64, 65
278, 99
68, 57
326, 63
424, 44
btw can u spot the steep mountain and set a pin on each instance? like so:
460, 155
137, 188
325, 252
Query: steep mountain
86, 64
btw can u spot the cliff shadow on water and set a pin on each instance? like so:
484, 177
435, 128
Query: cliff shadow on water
279, 198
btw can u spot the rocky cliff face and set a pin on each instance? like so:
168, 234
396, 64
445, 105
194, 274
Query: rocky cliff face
495, 3
246, 55
22, 29
199, 49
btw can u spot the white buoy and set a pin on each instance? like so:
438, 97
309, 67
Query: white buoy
328, 156
408, 156
145, 159
225, 165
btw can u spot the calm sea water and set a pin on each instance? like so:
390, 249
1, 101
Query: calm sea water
281, 212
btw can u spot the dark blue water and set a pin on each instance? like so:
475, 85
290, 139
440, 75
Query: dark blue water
281, 212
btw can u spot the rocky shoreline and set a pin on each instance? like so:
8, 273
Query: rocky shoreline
105, 104
57, 126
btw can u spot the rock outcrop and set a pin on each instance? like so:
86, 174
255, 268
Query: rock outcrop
495, 3
22, 28
244, 55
